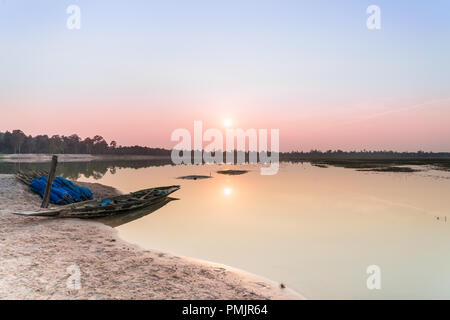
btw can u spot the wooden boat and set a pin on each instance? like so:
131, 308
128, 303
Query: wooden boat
110, 206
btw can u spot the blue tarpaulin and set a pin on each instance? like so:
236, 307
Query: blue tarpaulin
63, 191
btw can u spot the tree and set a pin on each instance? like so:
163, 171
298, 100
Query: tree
42, 144
56, 144
8, 142
18, 137
100, 145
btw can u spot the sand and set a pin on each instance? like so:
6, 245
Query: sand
41, 257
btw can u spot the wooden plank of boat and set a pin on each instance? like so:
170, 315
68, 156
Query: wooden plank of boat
47, 213
119, 204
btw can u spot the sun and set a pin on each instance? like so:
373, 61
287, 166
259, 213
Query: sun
227, 123
227, 191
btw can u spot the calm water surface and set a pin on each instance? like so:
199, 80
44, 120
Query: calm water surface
314, 229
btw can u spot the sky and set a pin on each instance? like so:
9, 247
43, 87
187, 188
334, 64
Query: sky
137, 70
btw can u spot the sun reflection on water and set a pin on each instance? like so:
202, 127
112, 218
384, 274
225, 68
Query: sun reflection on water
227, 191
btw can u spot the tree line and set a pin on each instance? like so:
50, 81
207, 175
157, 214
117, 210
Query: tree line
363, 154
18, 142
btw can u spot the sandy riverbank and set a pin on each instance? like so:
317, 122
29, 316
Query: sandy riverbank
35, 254
36, 158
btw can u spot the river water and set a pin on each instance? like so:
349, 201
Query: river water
316, 230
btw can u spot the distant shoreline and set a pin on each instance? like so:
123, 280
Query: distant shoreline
377, 164
31, 157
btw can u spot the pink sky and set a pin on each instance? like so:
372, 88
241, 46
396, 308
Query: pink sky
373, 126
136, 72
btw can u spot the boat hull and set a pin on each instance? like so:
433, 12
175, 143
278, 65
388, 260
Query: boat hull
116, 205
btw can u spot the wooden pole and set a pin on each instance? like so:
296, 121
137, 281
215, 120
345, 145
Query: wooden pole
48, 187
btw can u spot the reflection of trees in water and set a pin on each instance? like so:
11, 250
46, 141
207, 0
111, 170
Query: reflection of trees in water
92, 169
